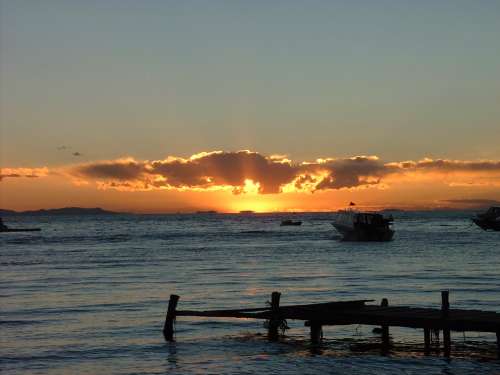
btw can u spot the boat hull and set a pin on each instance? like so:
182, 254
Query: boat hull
293, 223
367, 233
487, 224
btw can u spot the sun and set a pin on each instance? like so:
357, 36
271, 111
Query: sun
250, 199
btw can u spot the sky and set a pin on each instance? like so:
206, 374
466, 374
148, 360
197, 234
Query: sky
161, 106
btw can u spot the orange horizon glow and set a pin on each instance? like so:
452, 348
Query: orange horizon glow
245, 180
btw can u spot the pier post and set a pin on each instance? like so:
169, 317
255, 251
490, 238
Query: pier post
275, 320
427, 340
168, 328
498, 344
316, 332
445, 312
385, 328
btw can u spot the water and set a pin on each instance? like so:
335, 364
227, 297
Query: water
88, 295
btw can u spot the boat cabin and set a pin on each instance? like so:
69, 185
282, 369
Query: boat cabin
371, 219
492, 212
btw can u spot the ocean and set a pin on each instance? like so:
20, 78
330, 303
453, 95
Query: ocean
88, 294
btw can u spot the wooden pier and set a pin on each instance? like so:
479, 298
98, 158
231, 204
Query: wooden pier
384, 316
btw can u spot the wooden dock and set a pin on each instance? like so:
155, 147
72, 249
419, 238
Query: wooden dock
318, 315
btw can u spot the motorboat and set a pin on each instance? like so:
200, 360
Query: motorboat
5, 228
489, 219
289, 222
363, 226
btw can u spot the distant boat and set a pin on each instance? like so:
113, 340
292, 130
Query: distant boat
489, 219
363, 226
289, 222
206, 212
5, 228
247, 212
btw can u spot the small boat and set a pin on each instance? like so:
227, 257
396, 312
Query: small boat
5, 228
20, 230
489, 219
289, 222
363, 226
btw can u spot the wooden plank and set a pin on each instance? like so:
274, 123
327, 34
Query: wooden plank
314, 306
339, 313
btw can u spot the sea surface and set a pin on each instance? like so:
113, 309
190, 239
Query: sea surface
88, 294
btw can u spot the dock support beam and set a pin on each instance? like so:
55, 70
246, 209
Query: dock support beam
275, 320
445, 312
316, 332
168, 328
385, 328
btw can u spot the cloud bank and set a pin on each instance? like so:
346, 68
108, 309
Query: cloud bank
245, 171
271, 174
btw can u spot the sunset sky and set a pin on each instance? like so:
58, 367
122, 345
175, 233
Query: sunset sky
165, 106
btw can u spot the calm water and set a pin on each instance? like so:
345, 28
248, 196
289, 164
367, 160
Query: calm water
88, 295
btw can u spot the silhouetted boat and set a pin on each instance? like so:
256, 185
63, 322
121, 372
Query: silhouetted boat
489, 219
5, 228
247, 212
289, 222
20, 230
363, 226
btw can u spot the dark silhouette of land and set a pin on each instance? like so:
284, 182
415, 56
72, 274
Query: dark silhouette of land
61, 211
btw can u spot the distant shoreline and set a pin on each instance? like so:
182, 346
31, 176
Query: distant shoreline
63, 211
100, 211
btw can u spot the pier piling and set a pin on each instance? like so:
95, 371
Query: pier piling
385, 328
168, 328
445, 312
427, 341
316, 332
275, 320
498, 344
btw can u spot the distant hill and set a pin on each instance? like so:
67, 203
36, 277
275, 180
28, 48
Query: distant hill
61, 211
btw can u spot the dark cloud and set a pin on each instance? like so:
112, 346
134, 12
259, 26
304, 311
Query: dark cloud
112, 170
76, 154
349, 172
304, 180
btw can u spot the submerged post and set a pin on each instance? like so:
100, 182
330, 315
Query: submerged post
168, 328
275, 320
385, 328
445, 312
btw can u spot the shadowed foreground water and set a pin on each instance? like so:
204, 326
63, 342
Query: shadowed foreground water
88, 295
